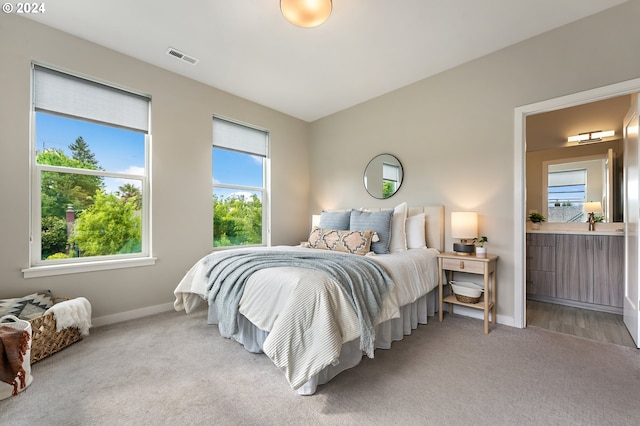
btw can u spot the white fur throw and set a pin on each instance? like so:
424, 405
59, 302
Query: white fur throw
73, 313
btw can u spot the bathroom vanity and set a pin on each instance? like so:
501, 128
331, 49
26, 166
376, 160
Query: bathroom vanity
577, 267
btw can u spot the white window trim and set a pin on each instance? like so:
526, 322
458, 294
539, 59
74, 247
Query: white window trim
88, 266
40, 268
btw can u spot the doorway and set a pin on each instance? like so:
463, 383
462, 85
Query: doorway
520, 208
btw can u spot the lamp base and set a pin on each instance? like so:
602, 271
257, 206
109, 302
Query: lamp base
463, 249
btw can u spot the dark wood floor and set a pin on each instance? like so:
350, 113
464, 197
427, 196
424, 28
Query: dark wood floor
594, 325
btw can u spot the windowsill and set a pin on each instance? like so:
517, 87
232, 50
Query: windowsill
75, 268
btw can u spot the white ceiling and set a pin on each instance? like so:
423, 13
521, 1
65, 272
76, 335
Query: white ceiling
365, 49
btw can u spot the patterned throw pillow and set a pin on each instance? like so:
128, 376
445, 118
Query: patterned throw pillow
354, 242
28, 307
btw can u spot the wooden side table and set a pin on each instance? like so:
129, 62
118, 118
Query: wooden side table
452, 262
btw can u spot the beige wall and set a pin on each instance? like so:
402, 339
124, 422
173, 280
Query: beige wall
182, 112
454, 132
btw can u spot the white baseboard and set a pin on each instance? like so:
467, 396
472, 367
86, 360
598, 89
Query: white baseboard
129, 315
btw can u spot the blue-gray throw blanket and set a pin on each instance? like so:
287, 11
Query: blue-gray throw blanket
364, 281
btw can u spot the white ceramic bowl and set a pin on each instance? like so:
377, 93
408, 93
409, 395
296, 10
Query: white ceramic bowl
466, 288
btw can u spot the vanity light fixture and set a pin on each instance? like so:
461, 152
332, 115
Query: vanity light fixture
306, 13
596, 136
464, 225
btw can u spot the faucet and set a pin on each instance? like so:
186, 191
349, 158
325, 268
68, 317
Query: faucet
592, 222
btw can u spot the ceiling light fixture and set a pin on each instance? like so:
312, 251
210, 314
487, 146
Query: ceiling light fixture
591, 136
306, 13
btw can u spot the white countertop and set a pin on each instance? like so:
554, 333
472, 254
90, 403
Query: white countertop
615, 228
586, 232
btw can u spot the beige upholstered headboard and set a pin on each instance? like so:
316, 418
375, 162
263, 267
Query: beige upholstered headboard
434, 228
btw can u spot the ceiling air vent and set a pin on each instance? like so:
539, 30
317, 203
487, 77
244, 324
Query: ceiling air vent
178, 54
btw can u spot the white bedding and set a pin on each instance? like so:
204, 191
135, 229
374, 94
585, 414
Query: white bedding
306, 314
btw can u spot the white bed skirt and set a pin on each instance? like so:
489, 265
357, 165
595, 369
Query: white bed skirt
252, 338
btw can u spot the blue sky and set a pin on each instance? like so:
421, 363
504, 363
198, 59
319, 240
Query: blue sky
236, 168
116, 149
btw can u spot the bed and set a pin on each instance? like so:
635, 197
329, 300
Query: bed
311, 324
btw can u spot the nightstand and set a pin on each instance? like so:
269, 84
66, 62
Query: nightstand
451, 262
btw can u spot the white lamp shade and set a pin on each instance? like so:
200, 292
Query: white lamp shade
593, 207
464, 225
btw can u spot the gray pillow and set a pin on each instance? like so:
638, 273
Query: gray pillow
335, 220
376, 221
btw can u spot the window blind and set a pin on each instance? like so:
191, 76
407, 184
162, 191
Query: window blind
65, 94
566, 178
230, 135
390, 172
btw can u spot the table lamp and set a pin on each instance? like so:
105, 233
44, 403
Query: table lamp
464, 225
593, 207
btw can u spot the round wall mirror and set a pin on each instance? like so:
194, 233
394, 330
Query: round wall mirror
383, 176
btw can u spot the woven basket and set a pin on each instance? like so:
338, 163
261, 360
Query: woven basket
46, 340
467, 299
466, 292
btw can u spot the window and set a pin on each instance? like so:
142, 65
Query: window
566, 195
390, 179
240, 176
90, 187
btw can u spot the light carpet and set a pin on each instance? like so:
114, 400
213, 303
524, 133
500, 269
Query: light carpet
172, 368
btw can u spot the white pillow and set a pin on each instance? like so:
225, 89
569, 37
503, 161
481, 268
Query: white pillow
398, 232
415, 231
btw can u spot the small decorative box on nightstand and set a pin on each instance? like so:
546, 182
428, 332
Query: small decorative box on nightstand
451, 262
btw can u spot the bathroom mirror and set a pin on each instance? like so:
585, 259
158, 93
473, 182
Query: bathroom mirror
383, 176
572, 182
